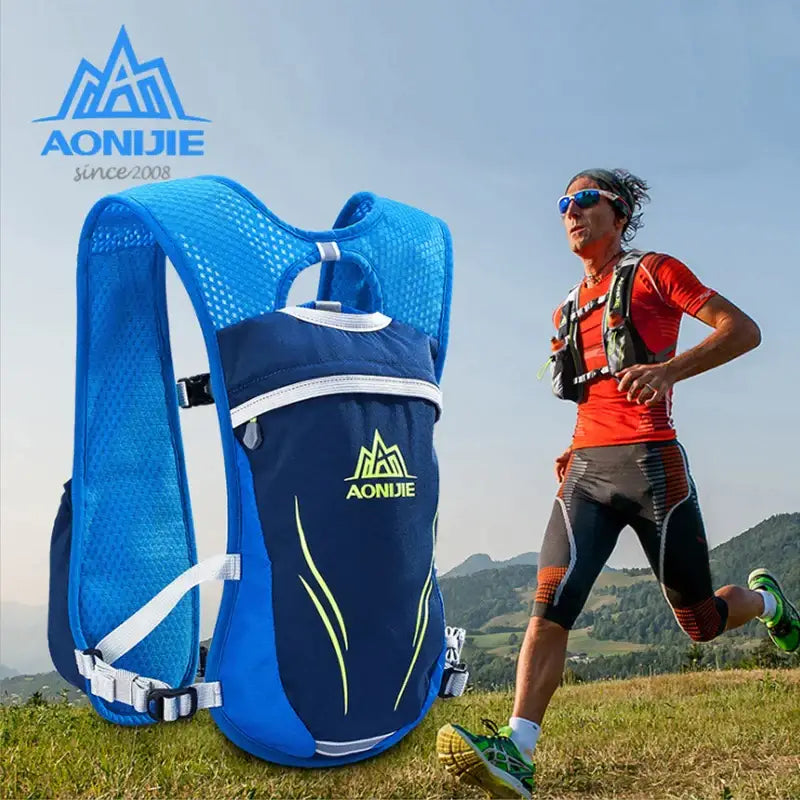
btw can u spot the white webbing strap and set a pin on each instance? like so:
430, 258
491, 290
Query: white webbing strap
223, 567
595, 373
588, 307
151, 695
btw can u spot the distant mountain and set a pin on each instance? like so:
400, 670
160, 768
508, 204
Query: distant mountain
7, 672
480, 561
50, 685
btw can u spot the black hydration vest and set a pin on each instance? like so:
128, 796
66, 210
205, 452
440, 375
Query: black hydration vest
622, 343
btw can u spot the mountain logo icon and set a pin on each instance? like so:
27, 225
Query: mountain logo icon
124, 88
380, 461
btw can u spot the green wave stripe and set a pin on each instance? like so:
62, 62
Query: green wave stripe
417, 649
315, 572
427, 580
424, 599
332, 634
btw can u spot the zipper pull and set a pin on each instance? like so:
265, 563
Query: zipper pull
252, 438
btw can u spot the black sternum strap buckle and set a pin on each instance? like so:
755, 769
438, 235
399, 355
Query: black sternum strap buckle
195, 391
156, 699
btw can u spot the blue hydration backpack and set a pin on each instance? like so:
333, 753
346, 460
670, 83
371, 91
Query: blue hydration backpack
330, 642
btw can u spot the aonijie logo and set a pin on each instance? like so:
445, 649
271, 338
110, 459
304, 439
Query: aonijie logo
124, 89
381, 466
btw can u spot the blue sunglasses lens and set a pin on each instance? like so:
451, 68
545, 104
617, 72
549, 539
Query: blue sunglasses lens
587, 198
583, 199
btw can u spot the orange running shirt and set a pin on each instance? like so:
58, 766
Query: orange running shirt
663, 290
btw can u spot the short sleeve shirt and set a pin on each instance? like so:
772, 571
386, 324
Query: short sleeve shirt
664, 289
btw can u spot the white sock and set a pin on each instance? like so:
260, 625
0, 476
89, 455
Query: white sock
524, 734
770, 605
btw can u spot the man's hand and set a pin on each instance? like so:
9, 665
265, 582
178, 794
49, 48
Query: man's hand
646, 383
561, 464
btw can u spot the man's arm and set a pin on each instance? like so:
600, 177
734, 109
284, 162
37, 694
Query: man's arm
734, 334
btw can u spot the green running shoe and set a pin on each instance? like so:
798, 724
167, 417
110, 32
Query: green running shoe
784, 627
491, 762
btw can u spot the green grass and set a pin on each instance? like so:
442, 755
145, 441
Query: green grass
715, 735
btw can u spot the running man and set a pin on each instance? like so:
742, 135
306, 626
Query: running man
615, 355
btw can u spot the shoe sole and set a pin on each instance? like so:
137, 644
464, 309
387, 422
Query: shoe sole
465, 762
757, 573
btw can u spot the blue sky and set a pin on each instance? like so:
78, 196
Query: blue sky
478, 112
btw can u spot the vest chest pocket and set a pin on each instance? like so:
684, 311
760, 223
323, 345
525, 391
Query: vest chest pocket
563, 371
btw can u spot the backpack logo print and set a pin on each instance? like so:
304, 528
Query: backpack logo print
381, 463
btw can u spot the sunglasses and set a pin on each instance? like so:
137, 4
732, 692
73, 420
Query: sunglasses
586, 198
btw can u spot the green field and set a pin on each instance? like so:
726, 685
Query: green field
519, 619
715, 735
605, 579
579, 642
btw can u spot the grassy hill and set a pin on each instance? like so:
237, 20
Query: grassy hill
720, 735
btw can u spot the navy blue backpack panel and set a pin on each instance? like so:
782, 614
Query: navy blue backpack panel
345, 488
294, 623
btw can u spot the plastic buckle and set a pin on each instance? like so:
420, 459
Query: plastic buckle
157, 696
195, 391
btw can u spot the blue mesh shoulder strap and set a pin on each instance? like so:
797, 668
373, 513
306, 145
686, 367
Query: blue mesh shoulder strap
131, 523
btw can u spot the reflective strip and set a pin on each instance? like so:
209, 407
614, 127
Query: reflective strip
346, 748
328, 251
335, 384
359, 323
573, 552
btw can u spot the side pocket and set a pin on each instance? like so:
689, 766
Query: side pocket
59, 633
563, 374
